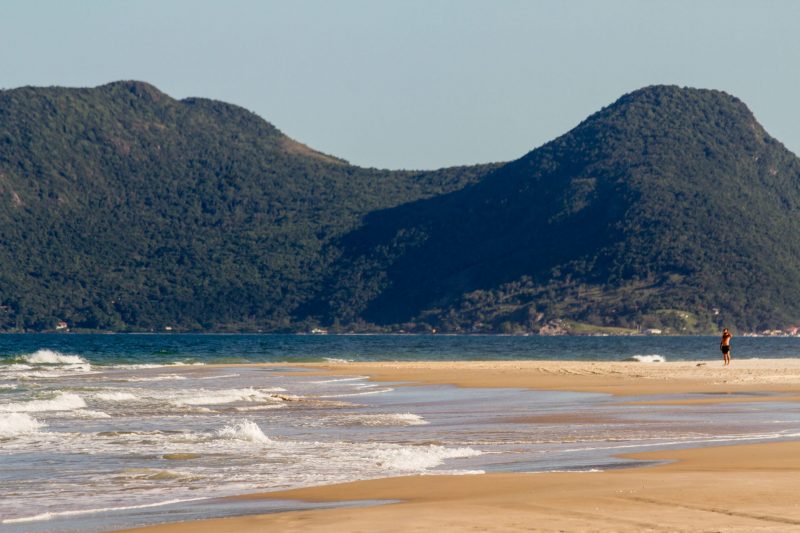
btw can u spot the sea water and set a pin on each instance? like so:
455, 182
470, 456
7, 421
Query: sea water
105, 431
158, 349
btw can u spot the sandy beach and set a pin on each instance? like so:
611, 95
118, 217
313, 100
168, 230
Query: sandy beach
731, 488
617, 378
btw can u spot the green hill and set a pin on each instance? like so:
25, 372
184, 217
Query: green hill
670, 208
124, 209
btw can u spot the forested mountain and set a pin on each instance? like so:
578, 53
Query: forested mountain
124, 209
670, 208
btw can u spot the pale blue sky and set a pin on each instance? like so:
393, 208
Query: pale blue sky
416, 83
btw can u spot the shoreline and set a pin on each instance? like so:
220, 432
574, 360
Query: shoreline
618, 378
742, 487
692, 490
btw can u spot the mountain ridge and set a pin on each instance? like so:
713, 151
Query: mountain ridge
628, 182
146, 211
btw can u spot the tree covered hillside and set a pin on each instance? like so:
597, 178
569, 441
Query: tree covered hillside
670, 208
122, 208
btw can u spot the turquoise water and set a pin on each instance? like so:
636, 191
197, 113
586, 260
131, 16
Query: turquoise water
121, 348
109, 431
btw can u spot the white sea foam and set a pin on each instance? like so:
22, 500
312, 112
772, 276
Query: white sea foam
385, 419
116, 396
266, 407
454, 473
8, 386
89, 414
339, 380
160, 377
348, 394
139, 366
217, 397
246, 430
50, 516
418, 458
45, 364
13, 424
201, 409
336, 360
695, 440
150, 473
17, 367
653, 358
50, 357
57, 372
146, 366
63, 401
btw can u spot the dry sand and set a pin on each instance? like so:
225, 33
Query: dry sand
732, 488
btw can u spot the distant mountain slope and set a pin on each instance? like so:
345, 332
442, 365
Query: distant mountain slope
122, 208
670, 208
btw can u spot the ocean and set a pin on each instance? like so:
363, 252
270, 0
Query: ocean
108, 431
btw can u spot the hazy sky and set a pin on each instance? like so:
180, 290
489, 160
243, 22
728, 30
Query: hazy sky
416, 83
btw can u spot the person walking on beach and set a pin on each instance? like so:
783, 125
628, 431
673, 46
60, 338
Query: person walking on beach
725, 346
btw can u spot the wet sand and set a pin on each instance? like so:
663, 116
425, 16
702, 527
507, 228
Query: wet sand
731, 488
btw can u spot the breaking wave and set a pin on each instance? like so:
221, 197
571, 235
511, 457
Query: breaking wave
246, 430
418, 458
63, 401
116, 396
384, 419
50, 357
13, 424
217, 397
654, 358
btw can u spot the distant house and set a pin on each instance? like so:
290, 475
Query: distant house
652, 331
552, 329
61, 325
319, 331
